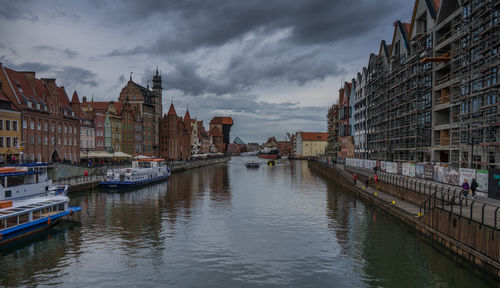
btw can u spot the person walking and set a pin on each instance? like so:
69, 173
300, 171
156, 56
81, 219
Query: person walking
465, 188
355, 177
473, 187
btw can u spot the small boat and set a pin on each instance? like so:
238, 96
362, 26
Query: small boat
271, 163
252, 164
59, 190
21, 218
142, 172
269, 153
24, 181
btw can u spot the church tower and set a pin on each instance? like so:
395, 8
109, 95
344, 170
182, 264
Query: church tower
158, 106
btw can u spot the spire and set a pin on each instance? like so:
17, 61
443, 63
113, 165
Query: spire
187, 116
131, 76
171, 110
74, 99
92, 96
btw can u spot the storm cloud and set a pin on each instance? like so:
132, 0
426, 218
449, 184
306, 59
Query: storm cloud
258, 61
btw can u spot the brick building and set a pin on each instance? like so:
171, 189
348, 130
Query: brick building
50, 128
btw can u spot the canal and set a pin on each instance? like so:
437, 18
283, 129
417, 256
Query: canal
229, 226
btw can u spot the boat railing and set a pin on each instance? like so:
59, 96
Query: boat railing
78, 180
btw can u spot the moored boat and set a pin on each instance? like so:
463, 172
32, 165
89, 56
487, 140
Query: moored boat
142, 172
253, 164
25, 217
269, 153
24, 181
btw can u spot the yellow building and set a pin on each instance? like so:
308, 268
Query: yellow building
10, 130
310, 143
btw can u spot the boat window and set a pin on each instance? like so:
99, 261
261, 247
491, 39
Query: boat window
2, 181
8, 194
11, 221
37, 214
60, 207
24, 218
2, 224
15, 181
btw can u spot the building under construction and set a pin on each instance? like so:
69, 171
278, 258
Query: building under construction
332, 147
465, 94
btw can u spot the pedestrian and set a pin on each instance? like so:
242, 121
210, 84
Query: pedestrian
465, 188
473, 187
375, 178
367, 182
355, 177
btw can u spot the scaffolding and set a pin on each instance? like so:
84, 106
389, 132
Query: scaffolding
466, 128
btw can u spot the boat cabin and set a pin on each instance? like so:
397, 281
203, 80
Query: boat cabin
148, 163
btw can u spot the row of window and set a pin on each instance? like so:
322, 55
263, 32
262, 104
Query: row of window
9, 142
8, 125
66, 141
72, 130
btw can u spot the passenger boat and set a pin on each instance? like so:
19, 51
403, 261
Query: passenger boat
252, 164
21, 218
269, 153
26, 180
142, 172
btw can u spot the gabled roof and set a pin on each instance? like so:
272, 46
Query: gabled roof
402, 28
187, 116
314, 136
432, 7
74, 99
118, 107
171, 110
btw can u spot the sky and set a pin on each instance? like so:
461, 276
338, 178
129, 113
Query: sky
274, 66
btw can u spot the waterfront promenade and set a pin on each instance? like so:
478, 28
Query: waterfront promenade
468, 228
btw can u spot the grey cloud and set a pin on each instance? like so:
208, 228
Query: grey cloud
72, 76
17, 10
121, 79
67, 52
212, 23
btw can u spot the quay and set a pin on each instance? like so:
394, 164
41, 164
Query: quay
78, 183
461, 227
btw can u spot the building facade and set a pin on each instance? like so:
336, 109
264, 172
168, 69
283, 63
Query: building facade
10, 130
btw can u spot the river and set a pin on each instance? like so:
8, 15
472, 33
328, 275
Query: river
232, 226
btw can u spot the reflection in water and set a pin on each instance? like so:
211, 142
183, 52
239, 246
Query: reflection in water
230, 226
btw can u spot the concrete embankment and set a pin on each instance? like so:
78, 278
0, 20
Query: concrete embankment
449, 227
80, 182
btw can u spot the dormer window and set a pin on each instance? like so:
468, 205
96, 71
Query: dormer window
30, 104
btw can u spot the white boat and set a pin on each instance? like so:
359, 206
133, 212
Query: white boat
24, 181
143, 171
21, 218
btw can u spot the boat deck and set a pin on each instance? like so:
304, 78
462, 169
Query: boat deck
33, 204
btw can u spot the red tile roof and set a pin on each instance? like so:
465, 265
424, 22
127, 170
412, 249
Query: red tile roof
102, 106
222, 120
118, 107
314, 136
187, 116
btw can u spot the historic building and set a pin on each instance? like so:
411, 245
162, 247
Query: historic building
175, 136
10, 130
87, 127
50, 128
219, 132
307, 144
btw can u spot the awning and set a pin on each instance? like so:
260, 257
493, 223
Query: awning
121, 155
95, 154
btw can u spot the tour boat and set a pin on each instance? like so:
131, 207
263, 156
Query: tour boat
21, 218
143, 171
27, 180
269, 153
253, 164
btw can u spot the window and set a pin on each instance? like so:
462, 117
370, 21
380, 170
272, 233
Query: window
32, 140
45, 126
14, 125
59, 128
1, 141
25, 124
7, 125
45, 140
39, 140
16, 142
8, 142
65, 129
32, 125
1, 124
39, 126
69, 141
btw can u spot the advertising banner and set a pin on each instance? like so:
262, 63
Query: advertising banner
438, 173
408, 169
429, 172
419, 170
468, 174
382, 166
451, 176
482, 180
494, 183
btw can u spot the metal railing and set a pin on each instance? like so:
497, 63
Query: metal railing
78, 180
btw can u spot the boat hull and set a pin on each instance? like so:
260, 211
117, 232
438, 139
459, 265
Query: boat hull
269, 156
129, 184
18, 232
